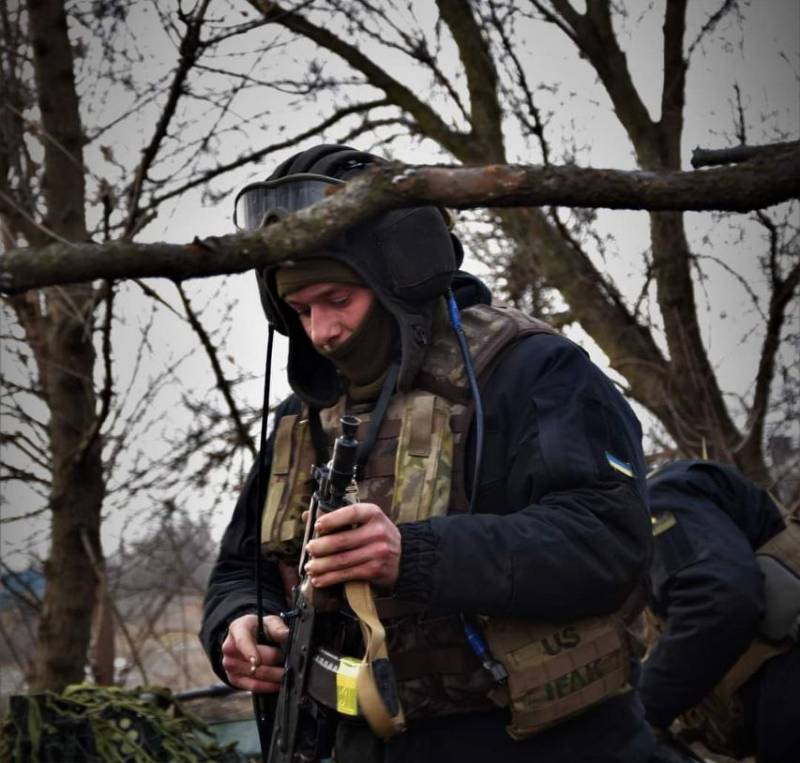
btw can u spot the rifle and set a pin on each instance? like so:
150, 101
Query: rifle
302, 731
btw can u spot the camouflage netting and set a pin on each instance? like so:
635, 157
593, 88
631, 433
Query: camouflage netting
103, 724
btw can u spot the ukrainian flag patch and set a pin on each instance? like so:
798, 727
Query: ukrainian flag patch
663, 522
617, 464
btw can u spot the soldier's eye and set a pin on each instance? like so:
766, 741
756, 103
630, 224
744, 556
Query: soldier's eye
339, 300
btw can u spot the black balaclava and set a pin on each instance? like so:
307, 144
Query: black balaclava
364, 357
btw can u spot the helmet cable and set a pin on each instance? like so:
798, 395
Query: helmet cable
472, 630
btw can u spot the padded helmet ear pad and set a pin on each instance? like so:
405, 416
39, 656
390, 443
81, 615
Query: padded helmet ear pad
271, 308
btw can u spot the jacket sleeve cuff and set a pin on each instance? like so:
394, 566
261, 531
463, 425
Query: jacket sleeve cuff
417, 562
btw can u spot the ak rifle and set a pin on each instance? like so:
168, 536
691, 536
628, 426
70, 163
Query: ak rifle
303, 729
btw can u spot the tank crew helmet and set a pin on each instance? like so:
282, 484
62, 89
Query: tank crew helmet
406, 257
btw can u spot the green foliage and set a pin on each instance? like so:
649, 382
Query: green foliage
106, 724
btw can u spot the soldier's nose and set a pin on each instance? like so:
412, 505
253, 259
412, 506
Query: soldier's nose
324, 330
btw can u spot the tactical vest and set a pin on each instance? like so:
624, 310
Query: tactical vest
719, 717
415, 472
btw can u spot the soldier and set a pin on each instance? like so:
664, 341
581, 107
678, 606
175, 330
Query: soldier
722, 592
516, 511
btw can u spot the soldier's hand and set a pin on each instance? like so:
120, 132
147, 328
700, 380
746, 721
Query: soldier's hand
249, 665
357, 542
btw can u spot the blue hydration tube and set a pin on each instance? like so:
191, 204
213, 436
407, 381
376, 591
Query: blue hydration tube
472, 631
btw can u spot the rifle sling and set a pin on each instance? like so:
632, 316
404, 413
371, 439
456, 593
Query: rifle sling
376, 688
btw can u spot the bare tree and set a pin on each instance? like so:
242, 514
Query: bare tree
473, 88
468, 114
95, 141
663, 358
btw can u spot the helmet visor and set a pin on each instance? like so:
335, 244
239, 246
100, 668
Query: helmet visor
260, 203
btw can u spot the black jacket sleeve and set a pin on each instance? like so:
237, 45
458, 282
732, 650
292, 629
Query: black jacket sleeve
231, 590
561, 528
705, 582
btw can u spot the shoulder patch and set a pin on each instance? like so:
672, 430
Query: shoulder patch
663, 522
623, 467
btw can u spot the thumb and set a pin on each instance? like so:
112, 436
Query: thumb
276, 628
244, 638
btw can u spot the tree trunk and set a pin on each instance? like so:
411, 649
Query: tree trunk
66, 368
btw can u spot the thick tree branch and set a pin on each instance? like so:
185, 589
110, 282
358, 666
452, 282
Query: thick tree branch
378, 25
107, 392
716, 157
76, 491
630, 347
670, 125
783, 292
473, 50
594, 35
429, 121
745, 187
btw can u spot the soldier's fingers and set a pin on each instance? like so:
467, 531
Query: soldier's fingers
269, 659
242, 633
255, 685
337, 542
347, 516
268, 655
372, 571
323, 564
266, 673
237, 635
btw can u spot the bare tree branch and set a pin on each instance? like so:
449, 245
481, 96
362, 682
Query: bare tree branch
537, 126
711, 23
783, 291
748, 186
430, 122
594, 36
223, 385
715, 157
189, 50
673, 93
476, 58
254, 156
